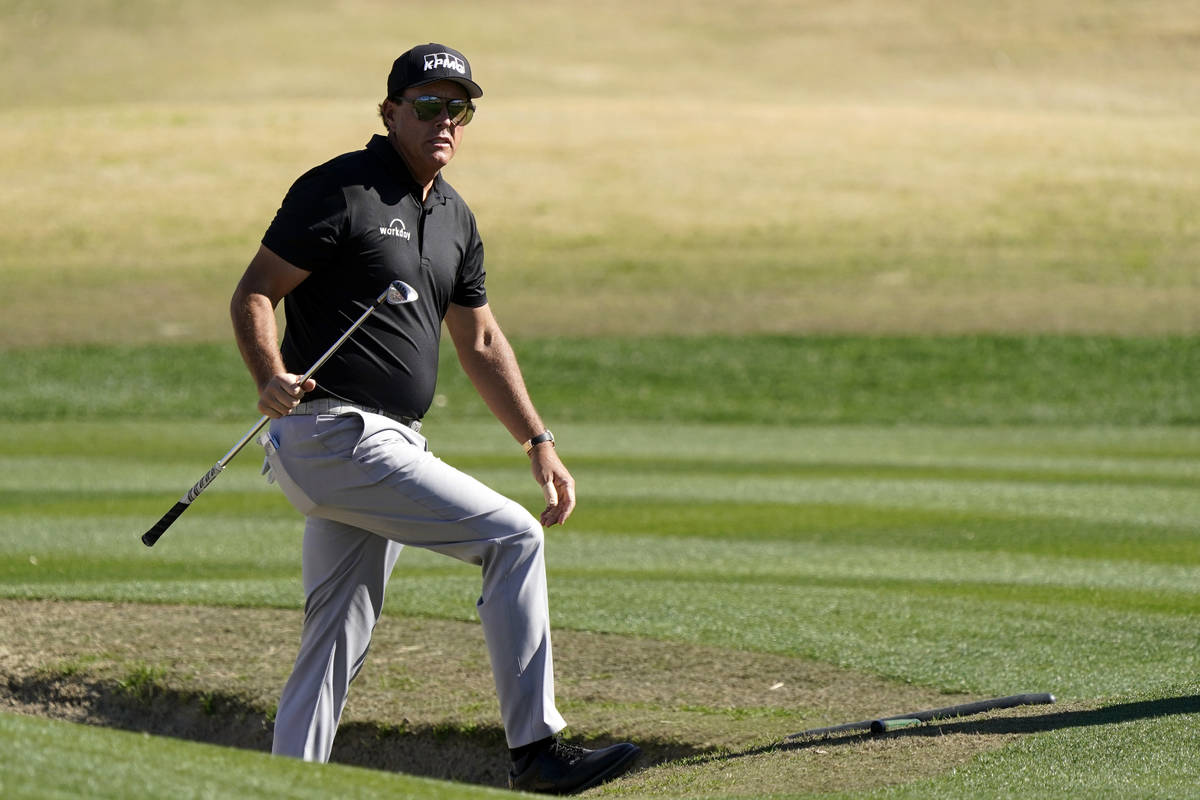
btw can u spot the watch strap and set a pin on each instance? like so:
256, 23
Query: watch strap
541, 438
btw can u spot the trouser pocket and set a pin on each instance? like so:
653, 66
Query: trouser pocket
295, 495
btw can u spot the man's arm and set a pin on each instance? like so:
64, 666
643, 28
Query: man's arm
489, 361
266, 281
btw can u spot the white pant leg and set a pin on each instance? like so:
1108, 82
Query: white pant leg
345, 573
370, 473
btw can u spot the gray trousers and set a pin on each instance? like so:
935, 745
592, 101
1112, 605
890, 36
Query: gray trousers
368, 486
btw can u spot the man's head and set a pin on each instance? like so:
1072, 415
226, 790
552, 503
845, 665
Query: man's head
428, 103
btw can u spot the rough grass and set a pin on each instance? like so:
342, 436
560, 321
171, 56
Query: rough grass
884, 167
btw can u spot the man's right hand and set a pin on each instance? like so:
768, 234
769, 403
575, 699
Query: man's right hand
282, 393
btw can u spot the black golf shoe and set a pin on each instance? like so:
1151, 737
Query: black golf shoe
561, 768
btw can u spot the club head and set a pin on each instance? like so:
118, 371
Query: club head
400, 292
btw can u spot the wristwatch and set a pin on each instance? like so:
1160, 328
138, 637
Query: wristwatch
541, 438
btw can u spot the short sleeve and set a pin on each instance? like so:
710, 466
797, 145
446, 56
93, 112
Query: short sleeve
469, 288
309, 227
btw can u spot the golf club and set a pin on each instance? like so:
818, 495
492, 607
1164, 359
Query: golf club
397, 293
878, 726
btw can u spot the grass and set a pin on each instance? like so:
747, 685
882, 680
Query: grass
869, 331
1076, 762
987, 167
975, 560
50, 759
1025, 552
774, 379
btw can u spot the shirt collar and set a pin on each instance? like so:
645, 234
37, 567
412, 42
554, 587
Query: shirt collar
382, 148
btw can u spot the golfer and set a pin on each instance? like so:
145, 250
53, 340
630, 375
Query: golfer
346, 448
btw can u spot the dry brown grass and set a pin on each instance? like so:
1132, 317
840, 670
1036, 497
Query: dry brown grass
745, 167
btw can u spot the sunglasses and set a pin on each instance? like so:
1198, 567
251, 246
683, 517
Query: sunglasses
429, 107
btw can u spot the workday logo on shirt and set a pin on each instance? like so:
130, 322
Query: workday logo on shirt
395, 228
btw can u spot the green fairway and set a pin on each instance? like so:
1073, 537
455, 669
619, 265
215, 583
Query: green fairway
870, 332
47, 760
982, 560
922, 554
1135, 757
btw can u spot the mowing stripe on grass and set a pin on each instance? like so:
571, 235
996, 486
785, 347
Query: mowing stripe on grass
775, 380
1006, 576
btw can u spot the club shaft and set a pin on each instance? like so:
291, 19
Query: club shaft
334, 347
151, 536
969, 709
963, 710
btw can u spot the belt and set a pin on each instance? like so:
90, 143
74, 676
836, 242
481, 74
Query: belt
330, 405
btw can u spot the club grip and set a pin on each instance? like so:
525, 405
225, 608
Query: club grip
151, 536
879, 726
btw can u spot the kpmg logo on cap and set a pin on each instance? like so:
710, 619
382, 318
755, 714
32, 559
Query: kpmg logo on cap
445, 61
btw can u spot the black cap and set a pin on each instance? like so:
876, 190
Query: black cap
431, 62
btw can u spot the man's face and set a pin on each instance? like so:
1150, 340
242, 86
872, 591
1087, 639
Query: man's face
426, 146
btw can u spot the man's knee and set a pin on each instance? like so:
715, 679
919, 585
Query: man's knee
517, 525
518, 539
528, 540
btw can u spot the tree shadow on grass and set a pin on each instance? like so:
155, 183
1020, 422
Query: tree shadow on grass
993, 726
475, 754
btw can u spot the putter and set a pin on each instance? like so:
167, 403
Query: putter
397, 293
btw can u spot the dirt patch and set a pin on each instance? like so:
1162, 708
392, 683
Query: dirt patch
425, 705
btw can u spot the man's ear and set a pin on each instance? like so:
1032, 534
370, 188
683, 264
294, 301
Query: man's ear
386, 110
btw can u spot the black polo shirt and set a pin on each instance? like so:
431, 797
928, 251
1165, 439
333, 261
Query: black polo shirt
357, 223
